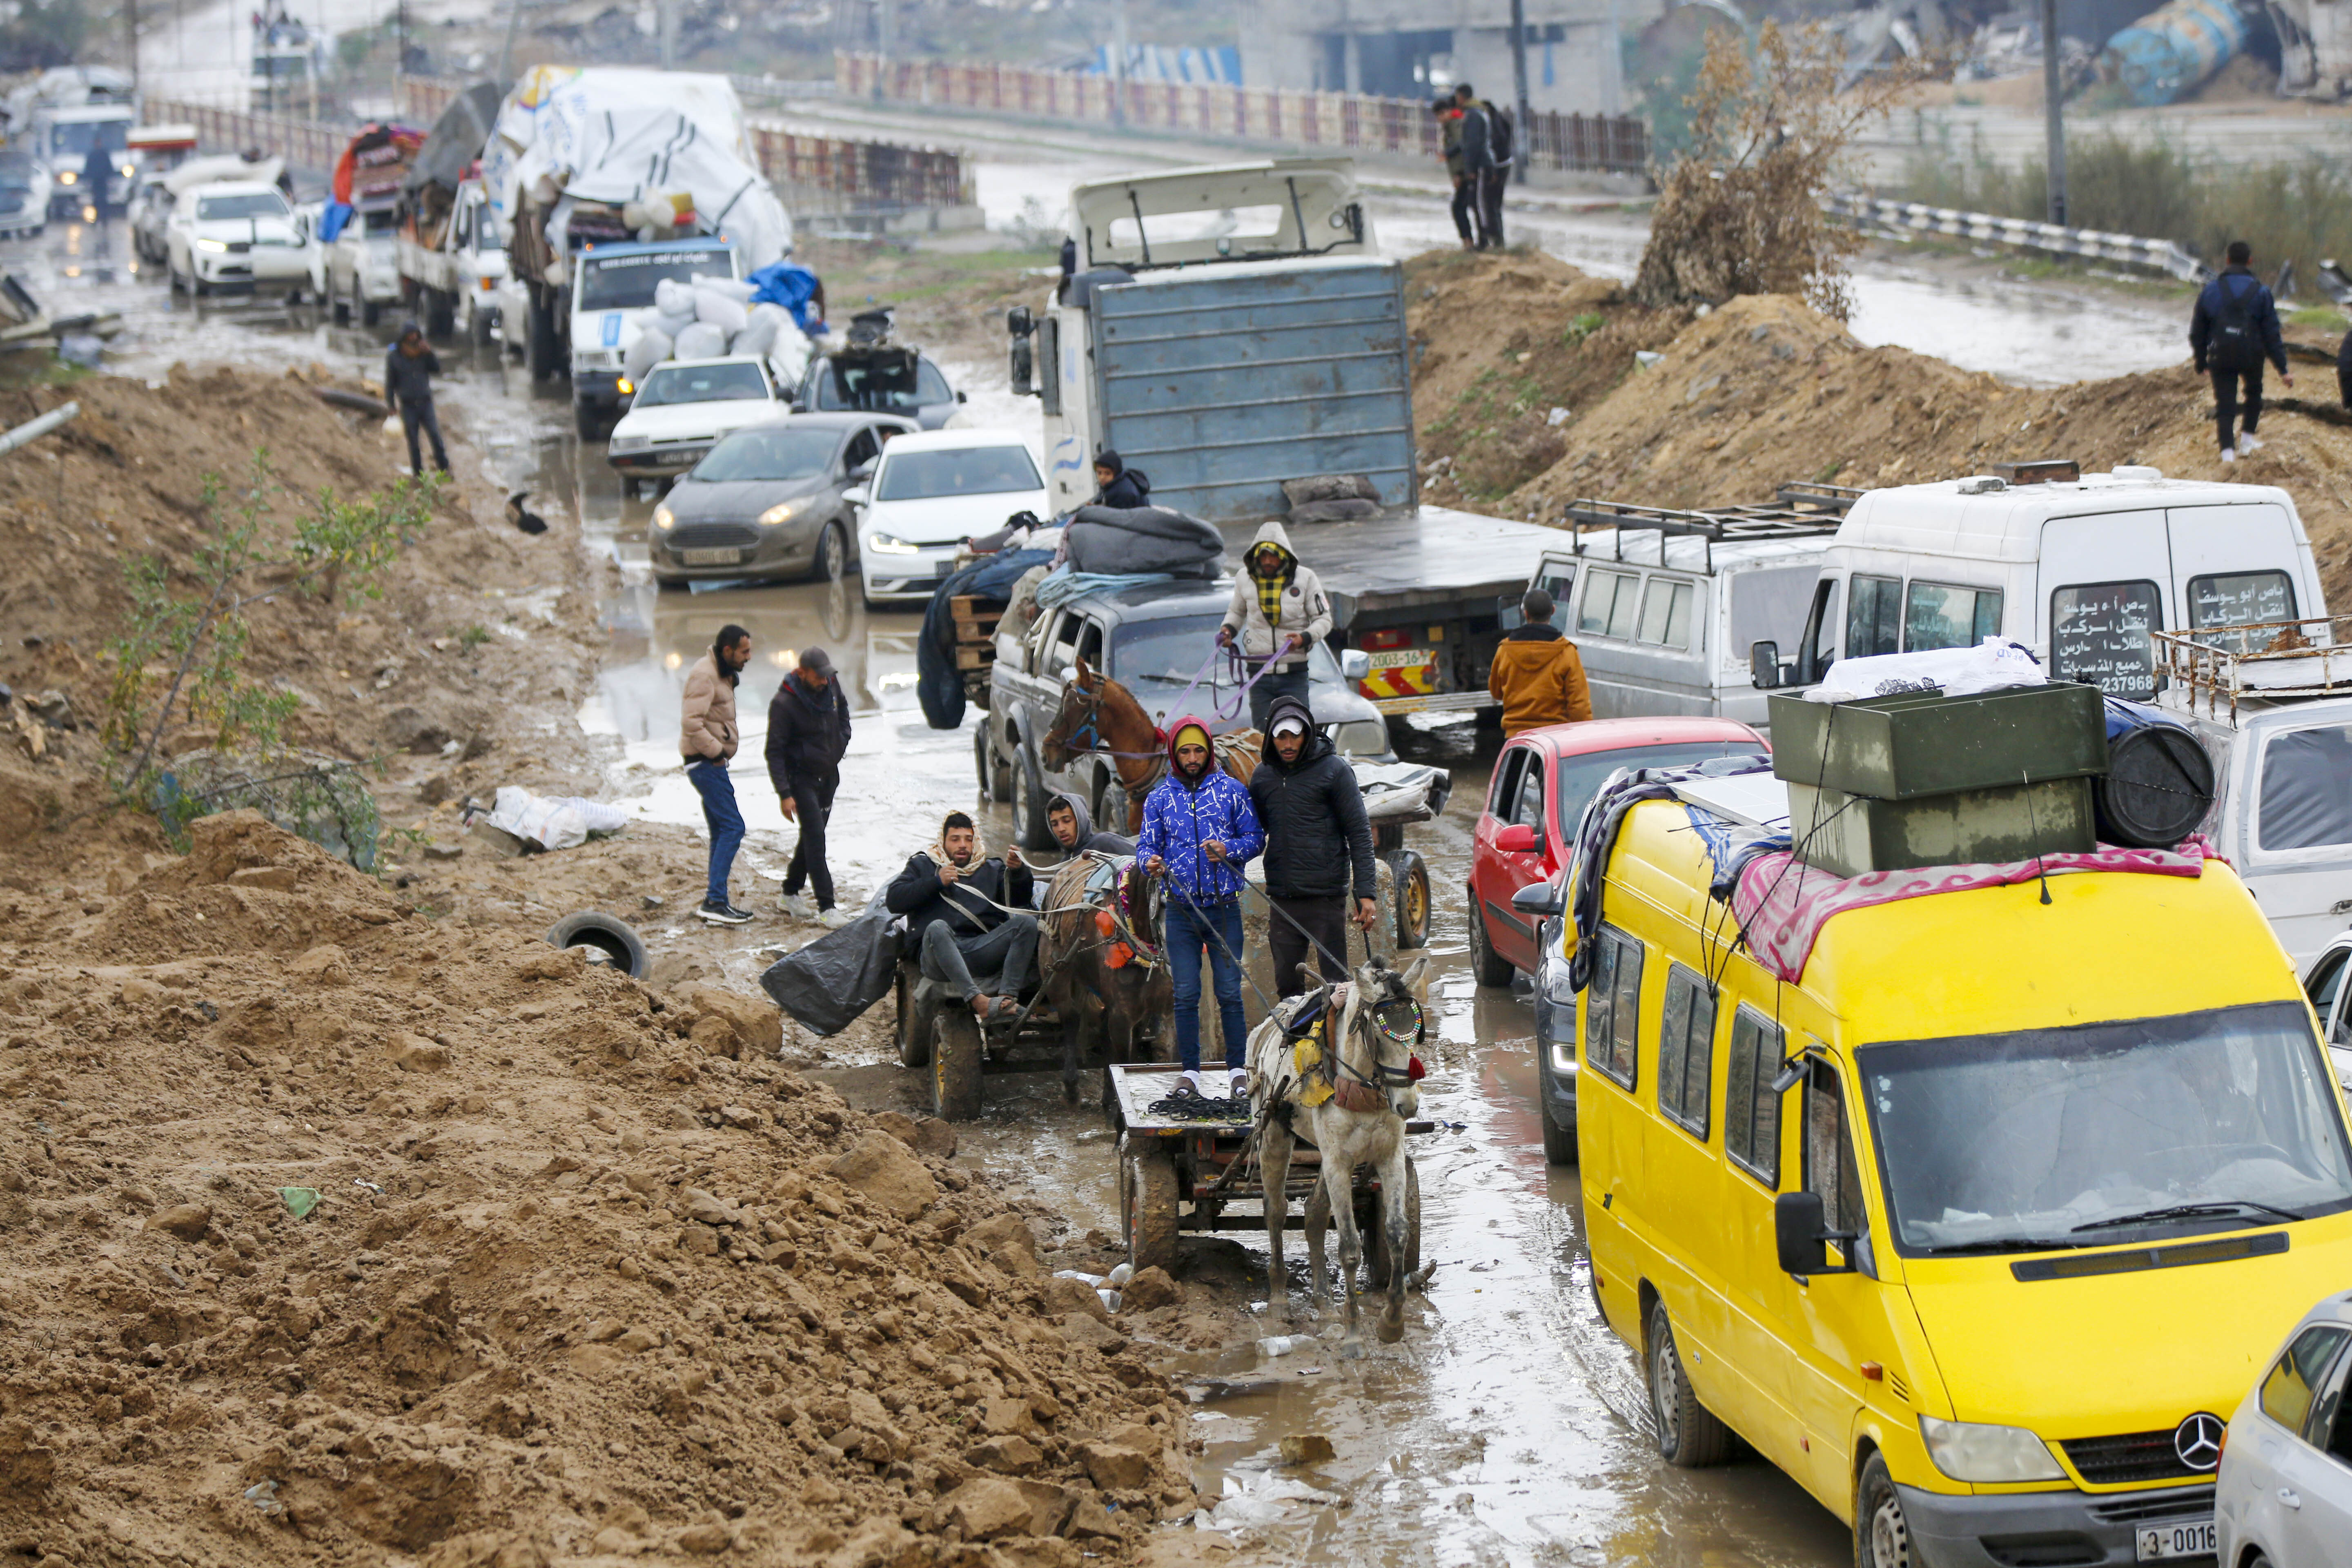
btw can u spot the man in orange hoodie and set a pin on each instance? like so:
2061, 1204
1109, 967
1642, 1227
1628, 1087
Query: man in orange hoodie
1537, 672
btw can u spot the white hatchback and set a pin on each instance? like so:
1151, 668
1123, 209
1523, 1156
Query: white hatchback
931, 491
2283, 1497
682, 409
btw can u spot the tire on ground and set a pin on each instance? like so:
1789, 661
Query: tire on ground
604, 939
1410, 899
1485, 966
1146, 1203
1688, 1433
1882, 1535
917, 1013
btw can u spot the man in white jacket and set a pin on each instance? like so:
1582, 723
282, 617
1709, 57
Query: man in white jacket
1279, 604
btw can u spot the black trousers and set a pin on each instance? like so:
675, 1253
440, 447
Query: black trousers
811, 804
413, 415
1465, 208
1490, 206
2225, 402
1326, 921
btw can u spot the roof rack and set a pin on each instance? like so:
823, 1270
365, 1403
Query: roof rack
1801, 509
2265, 661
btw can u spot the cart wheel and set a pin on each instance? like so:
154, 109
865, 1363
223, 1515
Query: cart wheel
1412, 900
1379, 1248
1147, 1204
955, 1064
915, 1016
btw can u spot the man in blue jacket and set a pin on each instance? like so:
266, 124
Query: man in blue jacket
1200, 828
2234, 329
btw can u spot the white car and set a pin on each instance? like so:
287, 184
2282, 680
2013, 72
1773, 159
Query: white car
683, 407
931, 490
236, 234
364, 268
2282, 1497
24, 194
2331, 998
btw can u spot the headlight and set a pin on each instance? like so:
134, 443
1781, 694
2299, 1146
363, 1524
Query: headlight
1362, 738
68, 177
625, 387
890, 544
784, 512
1559, 1014
1989, 1454
631, 443
664, 517
213, 245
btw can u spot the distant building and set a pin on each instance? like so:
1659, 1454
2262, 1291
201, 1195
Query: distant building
1413, 49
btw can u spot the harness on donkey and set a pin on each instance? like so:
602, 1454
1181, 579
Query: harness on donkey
1319, 1072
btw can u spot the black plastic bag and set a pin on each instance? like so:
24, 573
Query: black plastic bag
828, 985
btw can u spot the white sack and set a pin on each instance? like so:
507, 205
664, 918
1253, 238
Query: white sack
700, 341
652, 347
1991, 666
736, 288
672, 297
756, 339
716, 309
669, 326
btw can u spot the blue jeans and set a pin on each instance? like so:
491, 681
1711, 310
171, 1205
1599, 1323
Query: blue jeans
1276, 683
718, 792
1187, 935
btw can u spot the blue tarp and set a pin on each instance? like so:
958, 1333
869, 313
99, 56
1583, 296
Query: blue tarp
938, 684
331, 221
793, 286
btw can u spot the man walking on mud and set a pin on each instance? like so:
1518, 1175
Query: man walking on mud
1200, 828
2234, 328
1317, 832
409, 367
808, 734
708, 736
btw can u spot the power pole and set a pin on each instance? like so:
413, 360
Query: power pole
131, 27
2053, 113
668, 13
1519, 89
505, 54
1118, 62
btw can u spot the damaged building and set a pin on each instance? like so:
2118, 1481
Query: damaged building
1412, 48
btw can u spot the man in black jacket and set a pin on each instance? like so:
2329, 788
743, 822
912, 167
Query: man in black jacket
808, 731
955, 899
1485, 161
2234, 328
409, 367
1315, 832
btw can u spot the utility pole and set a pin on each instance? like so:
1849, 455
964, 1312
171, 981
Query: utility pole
505, 54
1118, 62
667, 10
1519, 89
131, 27
2053, 113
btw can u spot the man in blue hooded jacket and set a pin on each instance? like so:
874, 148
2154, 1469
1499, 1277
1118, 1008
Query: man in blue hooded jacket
1200, 828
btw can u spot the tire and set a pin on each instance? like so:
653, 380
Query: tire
832, 554
1029, 828
604, 939
440, 313
980, 762
1882, 1536
1558, 1142
478, 324
370, 312
587, 421
539, 340
1412, 900
918, 1016
1379, 1248
1688, 1433
1000, 773
338, 306
955, 1064
1147, 1204
1486, 967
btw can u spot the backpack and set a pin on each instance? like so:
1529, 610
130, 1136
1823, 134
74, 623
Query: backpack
2235, 346
1499, 135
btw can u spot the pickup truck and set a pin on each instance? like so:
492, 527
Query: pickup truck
363, 264
452, 270
1230, 328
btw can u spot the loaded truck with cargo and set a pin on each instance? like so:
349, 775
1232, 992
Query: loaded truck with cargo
450, 252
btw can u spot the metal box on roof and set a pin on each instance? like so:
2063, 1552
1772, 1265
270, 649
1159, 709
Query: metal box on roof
1918, 744
1847, 834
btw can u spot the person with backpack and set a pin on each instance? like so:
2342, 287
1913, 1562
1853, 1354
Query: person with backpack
2234, 329
1465, 192
1487, 146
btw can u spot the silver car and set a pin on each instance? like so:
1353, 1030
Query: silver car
2283, 1497
767, 502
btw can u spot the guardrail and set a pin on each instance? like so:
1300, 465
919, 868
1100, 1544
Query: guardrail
303, 144
1341, 120
2163, 255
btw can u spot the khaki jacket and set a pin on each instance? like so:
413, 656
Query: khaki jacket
1540, 677
706, 725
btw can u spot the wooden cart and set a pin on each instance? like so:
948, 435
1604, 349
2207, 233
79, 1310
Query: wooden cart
937, 1032
1169, 1174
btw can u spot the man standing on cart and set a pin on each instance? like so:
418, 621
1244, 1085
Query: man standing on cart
1199, 829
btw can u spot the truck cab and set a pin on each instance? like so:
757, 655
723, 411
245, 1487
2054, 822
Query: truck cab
609, 284
63, 137
453, 266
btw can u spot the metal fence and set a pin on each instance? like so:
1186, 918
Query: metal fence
2164, 255
1340, 120
303, 144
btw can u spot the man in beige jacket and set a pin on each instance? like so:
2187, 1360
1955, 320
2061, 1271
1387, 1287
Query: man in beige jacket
707, 738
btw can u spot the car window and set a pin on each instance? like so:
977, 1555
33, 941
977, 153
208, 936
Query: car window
1061, 652
1872, 616
671, 385
1613, 1008
1505, 792
1686, 1051
2288, 1391
242, 205
1666, 608
626, 282
1090, 643
1829, 1168
2099, 633
1529, 807
381, 221
958, 472
1581, 777
930, 386
2306, 789
768, 452
2328, 1427
1610, 604
2240, 599
862, 448
2326, 982
1751, 1111
1937, 614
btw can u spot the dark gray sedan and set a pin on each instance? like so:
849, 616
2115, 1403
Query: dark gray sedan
766, 502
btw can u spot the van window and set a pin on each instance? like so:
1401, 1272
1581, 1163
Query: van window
1609, 598
1769, 606
1666, 612
2240, 599
1751, 1111
1936, 614
2306, 794
1613, 1008
1874, 616
1062, 649
2099, 633
2287, 1392
1686, 1051
1830, 1168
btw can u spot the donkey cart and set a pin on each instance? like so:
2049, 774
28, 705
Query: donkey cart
937, 1032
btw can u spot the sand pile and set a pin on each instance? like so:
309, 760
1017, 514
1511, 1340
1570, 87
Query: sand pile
327, 1235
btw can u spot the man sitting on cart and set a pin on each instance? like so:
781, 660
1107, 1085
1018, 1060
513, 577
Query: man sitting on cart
1200, 828
954, 898
1073, 827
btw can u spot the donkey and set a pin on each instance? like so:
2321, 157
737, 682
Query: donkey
1099, 715
1105, 967
1353, 1103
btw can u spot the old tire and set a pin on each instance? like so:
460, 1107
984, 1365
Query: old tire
1411, 900
917, 1015
604, 940
1146, 1203
1882, 1535
1688, 1433
1029, 828
955, 1064
1381, 1261
1486, 967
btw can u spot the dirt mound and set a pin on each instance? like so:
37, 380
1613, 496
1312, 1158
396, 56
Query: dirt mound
442, 1247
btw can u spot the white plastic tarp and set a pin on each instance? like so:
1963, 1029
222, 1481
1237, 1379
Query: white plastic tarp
220, 169
553, 822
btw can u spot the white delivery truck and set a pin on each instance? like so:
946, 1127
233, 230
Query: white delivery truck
451, 268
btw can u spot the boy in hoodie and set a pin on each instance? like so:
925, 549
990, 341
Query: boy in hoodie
1073, 827
1317, 832
1200, 828
1278, 603
409, 367
952, 895
1118, 485
1537, 672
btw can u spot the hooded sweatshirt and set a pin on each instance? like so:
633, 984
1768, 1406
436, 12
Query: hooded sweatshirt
1313, 812
1128, 487
1180, 815
1090, 840
969, 907
408, 378
1539, 676
1304, 613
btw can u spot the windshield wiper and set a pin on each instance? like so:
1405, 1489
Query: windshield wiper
2191, 1211
2010, 1244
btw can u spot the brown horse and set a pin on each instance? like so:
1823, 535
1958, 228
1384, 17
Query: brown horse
1098, 715
1105, 966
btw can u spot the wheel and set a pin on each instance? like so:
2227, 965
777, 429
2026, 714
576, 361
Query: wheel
587, 421
1379, 1248
539, 341
477, 323
832, 554
918, 1014
171, 278
1485, 966
1558, 1142
1000, 773
370, 312
1882, 1536
604, 941
1029, 804
1411, 900
1112, 810
440, 313
337, 306
1147, 1204
1688, 1433
955, 1064
980, 762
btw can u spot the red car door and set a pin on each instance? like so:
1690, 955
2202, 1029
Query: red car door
1490, 881
1522, 857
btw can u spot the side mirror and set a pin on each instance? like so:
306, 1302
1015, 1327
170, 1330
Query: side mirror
1537, 898
1355, 664
855, 495
1764, 670
1519, 838
1018, 321
1508, 613
1025, 370
961, 398
1801, 1234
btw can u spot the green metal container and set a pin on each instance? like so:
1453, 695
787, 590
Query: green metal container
1923, 743
1847, 834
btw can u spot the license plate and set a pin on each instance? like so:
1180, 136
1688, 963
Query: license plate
710, 557
2183, 1538
1400, 658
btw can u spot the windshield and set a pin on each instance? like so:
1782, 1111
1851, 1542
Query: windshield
770, 452
1580, 778
249, 205
876, 387
626, 282
78, 137
957, 471
702, 383
2014, 1142
1172, 650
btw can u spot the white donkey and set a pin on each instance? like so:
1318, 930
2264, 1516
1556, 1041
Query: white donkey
1347, 1092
